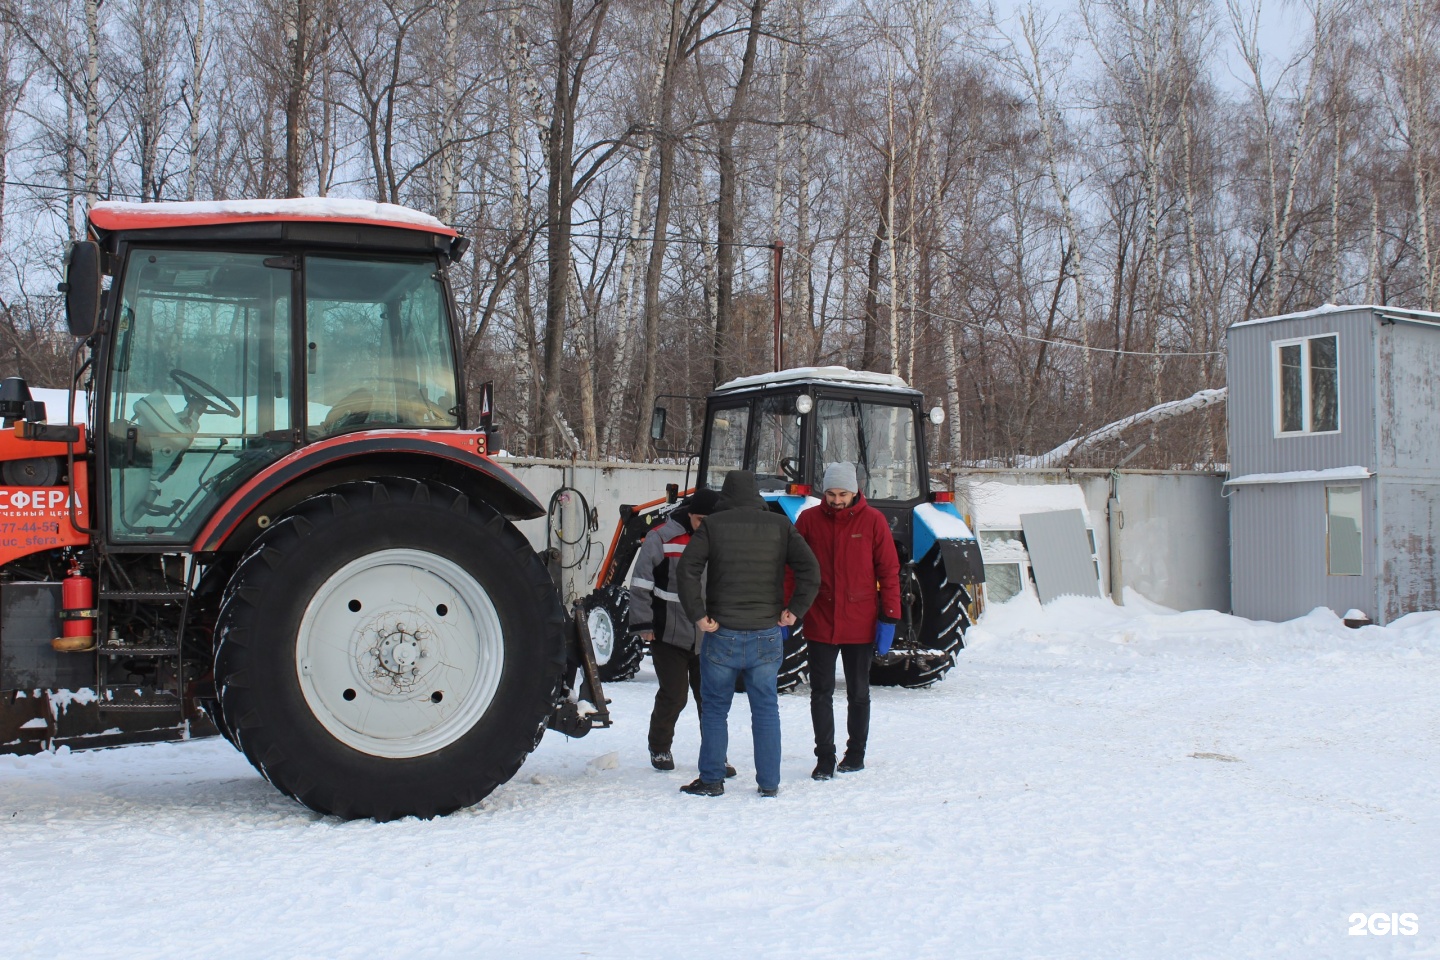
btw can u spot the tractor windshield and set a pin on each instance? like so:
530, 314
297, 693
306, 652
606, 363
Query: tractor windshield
775, 442
199, 390
878, 438
726, 431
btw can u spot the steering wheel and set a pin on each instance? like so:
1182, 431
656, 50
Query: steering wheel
790, 466
203, 397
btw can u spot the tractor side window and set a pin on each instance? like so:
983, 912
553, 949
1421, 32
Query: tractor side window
199, 387
776, 443
879, 439
378, 348
726, 430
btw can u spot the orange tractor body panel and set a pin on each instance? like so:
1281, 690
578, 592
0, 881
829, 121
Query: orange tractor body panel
37, 519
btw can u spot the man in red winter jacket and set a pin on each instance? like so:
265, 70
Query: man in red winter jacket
856, 609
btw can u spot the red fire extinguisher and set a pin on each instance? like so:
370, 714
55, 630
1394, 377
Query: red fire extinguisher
77, 612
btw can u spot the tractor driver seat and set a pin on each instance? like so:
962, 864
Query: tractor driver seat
161, 439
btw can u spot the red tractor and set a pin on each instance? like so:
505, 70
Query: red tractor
276, 513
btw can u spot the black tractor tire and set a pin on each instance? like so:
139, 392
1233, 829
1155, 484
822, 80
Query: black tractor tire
336, 598
927, 655
795, 667
210, 707
618, 652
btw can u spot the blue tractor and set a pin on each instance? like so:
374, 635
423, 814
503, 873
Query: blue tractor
787, 427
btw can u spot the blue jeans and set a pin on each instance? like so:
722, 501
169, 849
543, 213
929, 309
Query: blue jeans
725, 656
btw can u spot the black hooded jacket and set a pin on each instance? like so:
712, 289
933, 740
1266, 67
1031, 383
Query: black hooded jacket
742, 550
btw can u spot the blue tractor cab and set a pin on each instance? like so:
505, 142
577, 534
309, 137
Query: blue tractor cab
787, 427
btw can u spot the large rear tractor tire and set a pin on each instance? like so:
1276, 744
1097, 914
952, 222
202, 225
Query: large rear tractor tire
618, 652
795, 666
928, 653
389, 649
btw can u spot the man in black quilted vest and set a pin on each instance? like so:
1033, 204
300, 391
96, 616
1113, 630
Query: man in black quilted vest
742, 551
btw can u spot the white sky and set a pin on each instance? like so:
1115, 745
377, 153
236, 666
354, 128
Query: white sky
1283, 26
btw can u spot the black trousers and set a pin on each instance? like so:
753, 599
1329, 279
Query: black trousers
856, 659
677, 670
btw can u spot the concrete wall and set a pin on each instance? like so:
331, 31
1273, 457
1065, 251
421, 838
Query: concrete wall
1174, 539
1174, 543
605, 486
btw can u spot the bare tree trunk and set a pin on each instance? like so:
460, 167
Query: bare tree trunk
664, 140
92, 102
952, 373
726, 214
197, 99
870, 350
1414, 80
1032, 65
1338, 147
517, 95
576, 40
297, 39
326, 148
1372, 275
625, 306
449, 173
585, 361
1282, 199
891, 168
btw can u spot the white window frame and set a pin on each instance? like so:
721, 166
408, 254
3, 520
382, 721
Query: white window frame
1306, 412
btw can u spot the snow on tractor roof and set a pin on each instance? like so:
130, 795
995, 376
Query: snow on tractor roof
110, 215
842, 375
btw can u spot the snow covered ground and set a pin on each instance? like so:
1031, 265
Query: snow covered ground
1089, 781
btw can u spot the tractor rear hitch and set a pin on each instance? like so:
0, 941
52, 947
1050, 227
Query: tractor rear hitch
568, 717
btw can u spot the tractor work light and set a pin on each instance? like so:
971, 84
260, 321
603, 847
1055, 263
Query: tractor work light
798, 489
942, 496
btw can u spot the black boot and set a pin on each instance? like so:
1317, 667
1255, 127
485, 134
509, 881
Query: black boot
825, 768
851, 762
857, 725
699, 788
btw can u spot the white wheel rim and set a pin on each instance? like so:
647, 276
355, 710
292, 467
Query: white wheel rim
602, 635
400, 653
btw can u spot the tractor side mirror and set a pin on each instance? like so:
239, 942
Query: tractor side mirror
82, 288
657, 424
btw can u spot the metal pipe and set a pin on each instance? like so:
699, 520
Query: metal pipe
779, 247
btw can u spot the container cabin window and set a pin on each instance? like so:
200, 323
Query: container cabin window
1307, 385
1344, 538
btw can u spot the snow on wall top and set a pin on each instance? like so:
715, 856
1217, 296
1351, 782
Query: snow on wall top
998, 506
1161, 411
1332, 308
1303, 476
834, 374
114, 215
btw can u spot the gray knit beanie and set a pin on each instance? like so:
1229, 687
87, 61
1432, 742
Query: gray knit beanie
840, 476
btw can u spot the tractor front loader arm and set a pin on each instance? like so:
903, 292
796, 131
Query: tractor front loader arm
636, 520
